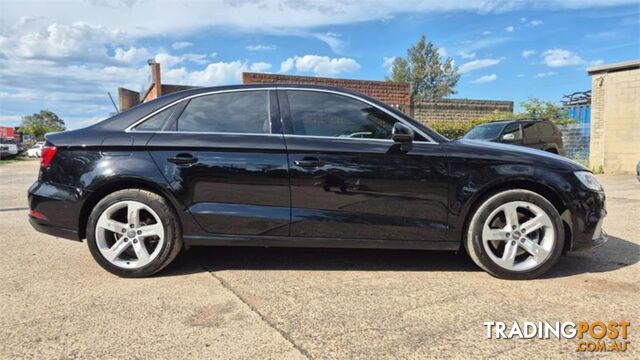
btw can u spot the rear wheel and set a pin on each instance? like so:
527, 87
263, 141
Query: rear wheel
515, 234
133, 233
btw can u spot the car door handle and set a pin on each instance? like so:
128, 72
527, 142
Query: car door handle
309, 163
183, 159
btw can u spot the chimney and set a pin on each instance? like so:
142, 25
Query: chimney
155, 76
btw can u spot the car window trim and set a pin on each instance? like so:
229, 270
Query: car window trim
131, 128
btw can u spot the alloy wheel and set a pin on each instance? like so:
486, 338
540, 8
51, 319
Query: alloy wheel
129, 234
518, 236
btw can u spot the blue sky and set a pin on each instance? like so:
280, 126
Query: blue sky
66, 55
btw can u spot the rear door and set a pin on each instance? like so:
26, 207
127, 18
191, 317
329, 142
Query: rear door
349, 180
223, 155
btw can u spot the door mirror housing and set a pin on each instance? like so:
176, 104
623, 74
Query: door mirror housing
508, 137
403, 135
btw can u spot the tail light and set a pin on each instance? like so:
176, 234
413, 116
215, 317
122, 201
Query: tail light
48, 152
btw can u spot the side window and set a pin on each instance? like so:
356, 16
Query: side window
529, 130
514, 129
545, 129
157, 121
324, 114
233, 112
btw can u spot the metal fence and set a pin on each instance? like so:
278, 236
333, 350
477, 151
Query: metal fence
576, 138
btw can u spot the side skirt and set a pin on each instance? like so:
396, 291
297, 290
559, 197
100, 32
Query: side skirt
275, 241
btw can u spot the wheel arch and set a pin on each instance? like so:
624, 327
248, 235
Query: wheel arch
541, 189
114, 185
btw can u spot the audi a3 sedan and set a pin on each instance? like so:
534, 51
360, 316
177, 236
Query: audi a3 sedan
309, 166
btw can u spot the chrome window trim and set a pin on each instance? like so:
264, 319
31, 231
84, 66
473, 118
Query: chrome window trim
131, 127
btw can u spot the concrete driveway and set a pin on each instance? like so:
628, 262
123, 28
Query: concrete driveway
55, 302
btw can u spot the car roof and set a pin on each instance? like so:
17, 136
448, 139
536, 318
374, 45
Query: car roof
511, 121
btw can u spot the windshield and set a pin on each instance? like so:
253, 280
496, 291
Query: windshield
485, 132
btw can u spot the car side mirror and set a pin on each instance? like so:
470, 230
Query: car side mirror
508, 137
403, 135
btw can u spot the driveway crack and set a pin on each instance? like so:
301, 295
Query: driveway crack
271, 324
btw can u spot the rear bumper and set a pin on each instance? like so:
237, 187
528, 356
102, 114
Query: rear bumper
57, 231
60, 208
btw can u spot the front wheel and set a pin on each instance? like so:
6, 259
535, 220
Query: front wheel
133, 233
515, 234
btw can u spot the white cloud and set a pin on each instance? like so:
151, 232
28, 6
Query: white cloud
387, 62
477, 64
596, 62
535, 22
509, 28
319, 65
79, 42
138, 19
544, 74
487, 32
485, 79
260, 67
334, 41
467, 55
196, 58
132, 55
443, 52
260, 47
560, 58
527, 53
181, 45
520, 75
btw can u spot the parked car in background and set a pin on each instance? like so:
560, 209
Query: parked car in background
35, 150
8, 148
537, 134
305, 165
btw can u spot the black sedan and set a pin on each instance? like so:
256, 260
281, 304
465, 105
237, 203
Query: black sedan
295, 165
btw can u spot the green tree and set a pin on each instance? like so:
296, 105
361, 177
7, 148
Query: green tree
430, 76
535, 108
41, 123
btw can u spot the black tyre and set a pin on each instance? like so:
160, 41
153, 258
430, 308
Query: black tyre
515, 234
133, 233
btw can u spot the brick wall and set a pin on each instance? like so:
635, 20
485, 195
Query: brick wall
615, 119
394, 94
397, 95
450, 110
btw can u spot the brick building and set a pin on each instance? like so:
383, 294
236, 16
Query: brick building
615, 117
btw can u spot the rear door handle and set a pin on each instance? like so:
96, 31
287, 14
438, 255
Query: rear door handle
183, 159
309, 162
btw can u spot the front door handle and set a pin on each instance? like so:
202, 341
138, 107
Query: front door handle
309, 162
183, 159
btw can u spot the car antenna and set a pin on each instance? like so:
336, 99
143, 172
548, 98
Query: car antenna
113, 102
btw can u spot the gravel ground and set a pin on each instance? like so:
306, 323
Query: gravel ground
55, 302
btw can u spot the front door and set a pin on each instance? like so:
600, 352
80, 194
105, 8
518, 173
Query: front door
224, 157
348, 178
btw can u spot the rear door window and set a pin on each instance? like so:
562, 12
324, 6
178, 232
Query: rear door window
244, 112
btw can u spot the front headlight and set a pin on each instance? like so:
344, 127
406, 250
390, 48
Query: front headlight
587, 179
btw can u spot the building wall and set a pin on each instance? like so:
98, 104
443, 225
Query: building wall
452, 110
391, 93
615, 121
